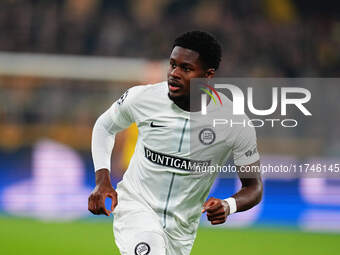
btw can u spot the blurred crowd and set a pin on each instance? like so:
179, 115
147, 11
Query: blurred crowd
259, 37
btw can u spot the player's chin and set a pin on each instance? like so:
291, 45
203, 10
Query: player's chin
175, 95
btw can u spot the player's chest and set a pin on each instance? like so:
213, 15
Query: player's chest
165, 133
180, 135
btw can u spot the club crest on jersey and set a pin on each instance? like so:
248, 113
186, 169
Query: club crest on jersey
207, 136
142, 249
123, 97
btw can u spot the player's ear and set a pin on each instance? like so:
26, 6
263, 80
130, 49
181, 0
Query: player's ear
209, 73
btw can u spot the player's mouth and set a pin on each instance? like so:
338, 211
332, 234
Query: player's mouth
173, 86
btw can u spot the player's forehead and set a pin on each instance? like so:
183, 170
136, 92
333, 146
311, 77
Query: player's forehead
184, 55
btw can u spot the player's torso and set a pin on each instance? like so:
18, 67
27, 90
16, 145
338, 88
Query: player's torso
170, 144
171, 139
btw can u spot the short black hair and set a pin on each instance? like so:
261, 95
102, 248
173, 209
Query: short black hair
203, 43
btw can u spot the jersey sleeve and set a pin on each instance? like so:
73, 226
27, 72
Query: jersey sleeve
245, 147
121, 111
118, 117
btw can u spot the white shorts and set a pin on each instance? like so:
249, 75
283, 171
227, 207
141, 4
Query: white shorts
138, 230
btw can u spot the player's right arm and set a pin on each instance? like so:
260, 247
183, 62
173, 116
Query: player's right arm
246, 157
115, 119
103, 189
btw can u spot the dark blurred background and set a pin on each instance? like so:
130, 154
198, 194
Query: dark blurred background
293, 38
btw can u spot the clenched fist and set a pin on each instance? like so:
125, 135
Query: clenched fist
217, 210
103, 189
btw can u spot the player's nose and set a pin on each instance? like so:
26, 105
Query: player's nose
174, 73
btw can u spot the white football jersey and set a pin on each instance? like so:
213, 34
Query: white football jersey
171, 143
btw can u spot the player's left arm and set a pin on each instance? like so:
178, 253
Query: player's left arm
251, 191
246, 158
247, 197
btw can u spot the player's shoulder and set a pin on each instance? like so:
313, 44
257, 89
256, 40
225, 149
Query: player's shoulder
143, 91
226, 102
228, 109
240, 125
143, 100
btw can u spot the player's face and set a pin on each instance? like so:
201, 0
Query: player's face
184, 65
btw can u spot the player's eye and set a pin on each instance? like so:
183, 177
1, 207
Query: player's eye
173, 65
187, 69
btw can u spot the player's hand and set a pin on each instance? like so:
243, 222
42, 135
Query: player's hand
103, 189
217, 210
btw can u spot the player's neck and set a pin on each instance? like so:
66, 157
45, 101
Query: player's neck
185, 104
